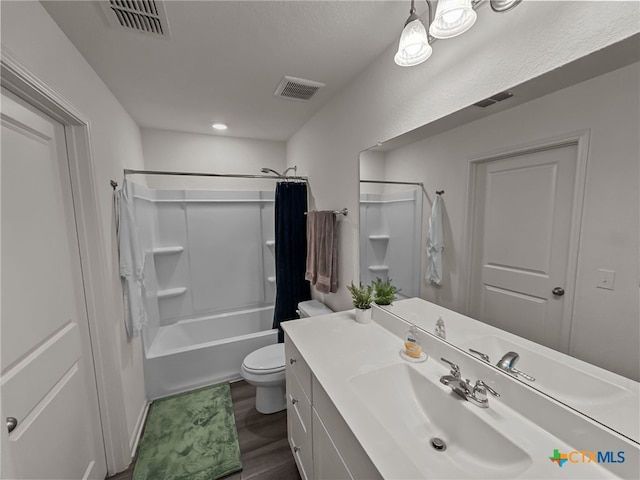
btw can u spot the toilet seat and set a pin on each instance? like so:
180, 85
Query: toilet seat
265, 360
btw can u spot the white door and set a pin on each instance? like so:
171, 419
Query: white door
47, 380
521, 242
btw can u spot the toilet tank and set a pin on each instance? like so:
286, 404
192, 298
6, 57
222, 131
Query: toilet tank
313, 308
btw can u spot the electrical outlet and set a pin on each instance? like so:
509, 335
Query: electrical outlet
606, 279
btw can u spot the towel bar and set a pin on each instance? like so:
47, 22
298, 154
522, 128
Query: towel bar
344, 211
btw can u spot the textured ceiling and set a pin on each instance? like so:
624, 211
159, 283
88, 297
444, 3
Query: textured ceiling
225, 59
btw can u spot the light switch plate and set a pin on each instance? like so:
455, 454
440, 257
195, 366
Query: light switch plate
606, 279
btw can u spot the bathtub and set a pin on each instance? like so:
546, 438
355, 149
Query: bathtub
204, 351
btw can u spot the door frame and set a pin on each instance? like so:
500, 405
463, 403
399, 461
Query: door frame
580, 139
19, 80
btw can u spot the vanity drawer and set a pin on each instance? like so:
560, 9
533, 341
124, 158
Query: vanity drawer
299, 427
297, 366
300, 448
298, 405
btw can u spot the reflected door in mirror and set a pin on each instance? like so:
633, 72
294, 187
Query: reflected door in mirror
521, 243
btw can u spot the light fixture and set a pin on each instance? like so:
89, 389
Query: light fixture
501, 6
413, 48
219, 126
452, 18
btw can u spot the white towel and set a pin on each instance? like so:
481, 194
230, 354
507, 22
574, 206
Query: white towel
435, 244
132, 259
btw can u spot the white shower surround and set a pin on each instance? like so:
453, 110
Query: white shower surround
209, 278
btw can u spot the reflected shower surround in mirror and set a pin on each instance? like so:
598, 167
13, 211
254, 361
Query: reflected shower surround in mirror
391, 236
452, 18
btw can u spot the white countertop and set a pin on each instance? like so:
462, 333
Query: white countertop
337, 348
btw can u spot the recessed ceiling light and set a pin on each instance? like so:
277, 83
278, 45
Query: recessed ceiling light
220, 126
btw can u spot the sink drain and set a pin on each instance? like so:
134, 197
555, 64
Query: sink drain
438, 444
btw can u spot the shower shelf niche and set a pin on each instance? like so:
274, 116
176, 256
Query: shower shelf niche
167, 250
378, 237
379, 268
171, 292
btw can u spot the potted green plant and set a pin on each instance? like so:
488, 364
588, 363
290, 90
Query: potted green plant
362, 298
385, 292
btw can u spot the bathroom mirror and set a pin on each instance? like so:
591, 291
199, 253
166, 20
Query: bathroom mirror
584, 114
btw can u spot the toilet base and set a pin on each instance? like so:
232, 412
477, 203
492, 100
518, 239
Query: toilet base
271, 399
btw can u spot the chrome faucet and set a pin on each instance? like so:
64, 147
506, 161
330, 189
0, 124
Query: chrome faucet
508, 364
476, 394
483, 356
508, 361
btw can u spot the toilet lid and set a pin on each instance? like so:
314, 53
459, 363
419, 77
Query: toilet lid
267, 359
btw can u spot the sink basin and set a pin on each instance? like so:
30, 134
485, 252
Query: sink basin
560, 380
413, 409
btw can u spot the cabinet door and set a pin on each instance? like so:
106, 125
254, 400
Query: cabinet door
327, 462
342, 438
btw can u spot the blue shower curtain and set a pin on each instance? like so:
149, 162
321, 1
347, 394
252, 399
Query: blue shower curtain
291, 252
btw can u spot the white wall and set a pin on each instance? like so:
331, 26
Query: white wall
610, 230
372, 165
178, 151
385, 100
29, 33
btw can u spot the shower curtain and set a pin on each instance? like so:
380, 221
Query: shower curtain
291, 252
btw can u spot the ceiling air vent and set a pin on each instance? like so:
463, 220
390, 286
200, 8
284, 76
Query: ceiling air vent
297, 88
144, 16
498, 97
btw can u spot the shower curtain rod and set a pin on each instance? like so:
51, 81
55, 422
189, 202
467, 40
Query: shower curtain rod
420, 184
128, 171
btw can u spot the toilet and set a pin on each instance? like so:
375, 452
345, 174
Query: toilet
265, 368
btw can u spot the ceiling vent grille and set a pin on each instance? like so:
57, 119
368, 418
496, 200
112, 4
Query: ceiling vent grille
498, 97
297, 88
144, 16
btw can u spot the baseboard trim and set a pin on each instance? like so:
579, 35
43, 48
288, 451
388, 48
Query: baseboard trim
137, 432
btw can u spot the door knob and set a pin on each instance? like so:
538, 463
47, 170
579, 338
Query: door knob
558, 291
12, 423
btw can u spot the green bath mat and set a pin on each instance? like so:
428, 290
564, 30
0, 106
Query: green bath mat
190, 436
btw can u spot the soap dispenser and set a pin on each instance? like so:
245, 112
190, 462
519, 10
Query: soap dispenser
412, 346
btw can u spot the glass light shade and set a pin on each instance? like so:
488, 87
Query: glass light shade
414, 47
453, 17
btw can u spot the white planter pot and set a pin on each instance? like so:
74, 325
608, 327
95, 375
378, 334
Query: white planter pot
386, 306
363, 316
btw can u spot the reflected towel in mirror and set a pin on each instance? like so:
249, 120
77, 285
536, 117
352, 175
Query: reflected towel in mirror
435, 244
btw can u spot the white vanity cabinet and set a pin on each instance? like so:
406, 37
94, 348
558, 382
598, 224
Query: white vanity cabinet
322, 443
